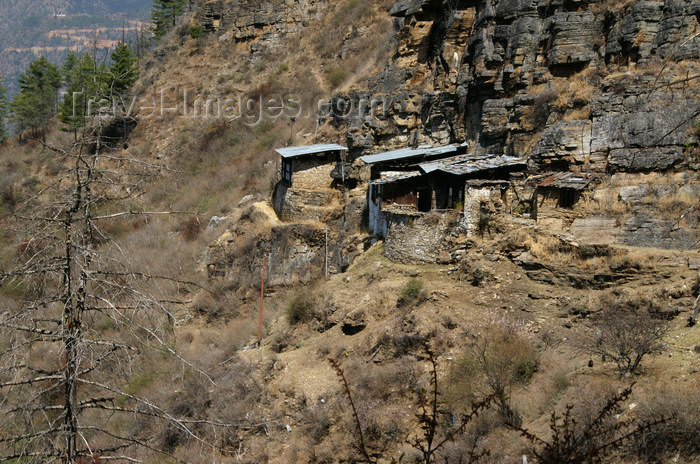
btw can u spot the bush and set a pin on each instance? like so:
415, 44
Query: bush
336, 76
191, 228
678, 435
196, 31
411, 293
501, 356
301, 308
580, 440
625, 331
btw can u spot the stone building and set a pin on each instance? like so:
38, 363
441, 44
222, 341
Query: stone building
309, 185
558, 192
455, 186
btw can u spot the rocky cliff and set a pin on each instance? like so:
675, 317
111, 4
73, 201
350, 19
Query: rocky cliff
606, 86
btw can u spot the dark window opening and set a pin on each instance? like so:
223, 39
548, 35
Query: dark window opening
567, 198
287, 172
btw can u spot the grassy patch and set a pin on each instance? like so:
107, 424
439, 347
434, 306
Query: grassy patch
411, 294
336, 76
301, 307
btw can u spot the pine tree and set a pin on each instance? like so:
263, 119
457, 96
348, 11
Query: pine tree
164, 13
85, 80
124, 70
68, 68
3, 111
35, 104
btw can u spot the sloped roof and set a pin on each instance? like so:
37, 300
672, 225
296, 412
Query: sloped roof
408, 153
292, 152
467, 164
395, 177
571, 180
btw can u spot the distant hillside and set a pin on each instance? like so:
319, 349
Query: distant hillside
29, 29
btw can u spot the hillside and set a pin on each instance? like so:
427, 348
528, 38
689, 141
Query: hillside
557, 145
54, 28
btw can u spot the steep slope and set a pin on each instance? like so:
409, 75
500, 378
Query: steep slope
606, 88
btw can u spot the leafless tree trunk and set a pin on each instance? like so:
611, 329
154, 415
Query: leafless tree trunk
60, 388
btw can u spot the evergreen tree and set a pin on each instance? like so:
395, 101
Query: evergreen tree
3, 111
87, 81
124, 70
35, 104
68, 68
164, 13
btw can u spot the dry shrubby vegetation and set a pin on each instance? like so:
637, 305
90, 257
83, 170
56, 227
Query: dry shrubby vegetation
458, 363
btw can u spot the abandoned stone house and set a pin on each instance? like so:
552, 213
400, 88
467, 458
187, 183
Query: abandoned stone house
412, 182
558, 191
417, 198
308, 182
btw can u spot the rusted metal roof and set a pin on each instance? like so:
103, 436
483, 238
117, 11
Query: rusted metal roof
468, 164
569, 180
408, 153
292, 152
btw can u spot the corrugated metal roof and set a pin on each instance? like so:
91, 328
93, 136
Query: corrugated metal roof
407, 153
291, 152
467, 164
572, 180
397, 177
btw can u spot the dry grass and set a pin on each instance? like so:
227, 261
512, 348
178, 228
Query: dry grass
573, 93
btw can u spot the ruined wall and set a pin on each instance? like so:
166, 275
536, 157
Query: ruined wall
421, 237
295, 204
473, 197
412, 238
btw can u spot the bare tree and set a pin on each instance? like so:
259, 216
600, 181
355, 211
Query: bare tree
581, 442
625, 331
76, 318
434, 434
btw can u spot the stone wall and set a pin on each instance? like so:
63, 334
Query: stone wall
312, 173
420, 237
297, 204
473, 196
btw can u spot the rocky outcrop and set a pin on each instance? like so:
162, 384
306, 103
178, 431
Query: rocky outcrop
295, 252
491, 71
260, 24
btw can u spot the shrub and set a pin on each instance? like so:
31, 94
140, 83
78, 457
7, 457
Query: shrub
301, 307
411, 293
502, 357
196, 31
191, 228
336, 76
576, 441
626, 331
678, 435
478, 276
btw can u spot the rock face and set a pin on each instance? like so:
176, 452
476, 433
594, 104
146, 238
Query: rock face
562, 83
258, 24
